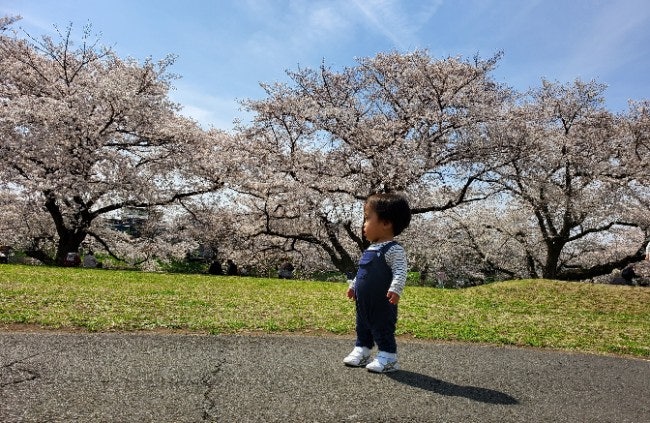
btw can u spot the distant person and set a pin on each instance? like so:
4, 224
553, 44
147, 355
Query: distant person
215, 268
647, 251
379, 283
628, 274
624, 277
89, 260
286, 270
72, 259
231, 268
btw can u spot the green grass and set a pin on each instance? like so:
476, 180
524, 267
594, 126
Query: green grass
540, 313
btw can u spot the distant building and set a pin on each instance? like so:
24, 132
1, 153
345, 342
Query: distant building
203, 253
131, 222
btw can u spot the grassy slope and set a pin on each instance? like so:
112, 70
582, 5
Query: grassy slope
594, 318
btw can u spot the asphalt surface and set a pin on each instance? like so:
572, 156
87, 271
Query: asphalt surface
58, 377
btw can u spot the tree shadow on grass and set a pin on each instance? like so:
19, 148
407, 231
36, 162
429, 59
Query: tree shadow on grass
441, 387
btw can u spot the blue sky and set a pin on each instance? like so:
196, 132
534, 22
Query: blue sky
225, 48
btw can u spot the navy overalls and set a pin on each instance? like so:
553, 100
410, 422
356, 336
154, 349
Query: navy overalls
376, 316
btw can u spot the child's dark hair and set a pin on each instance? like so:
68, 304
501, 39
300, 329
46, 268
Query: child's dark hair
393, 208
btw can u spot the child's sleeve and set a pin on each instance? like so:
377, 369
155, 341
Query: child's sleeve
352, 284
396, 260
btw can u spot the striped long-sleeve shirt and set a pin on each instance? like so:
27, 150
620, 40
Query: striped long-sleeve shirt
396, 259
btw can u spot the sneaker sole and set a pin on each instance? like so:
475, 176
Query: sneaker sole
362, 363
385, 370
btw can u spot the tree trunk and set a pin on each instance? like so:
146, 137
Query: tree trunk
69, 239
550, 270
600, 269
68, 243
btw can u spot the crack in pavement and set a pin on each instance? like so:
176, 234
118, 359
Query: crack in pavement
210, 406
16, 372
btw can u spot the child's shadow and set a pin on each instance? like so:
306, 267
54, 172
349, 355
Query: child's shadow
429, 383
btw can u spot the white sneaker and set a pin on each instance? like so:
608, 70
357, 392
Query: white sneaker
359, 357
383, 363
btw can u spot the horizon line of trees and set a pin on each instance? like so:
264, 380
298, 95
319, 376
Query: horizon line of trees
504, 184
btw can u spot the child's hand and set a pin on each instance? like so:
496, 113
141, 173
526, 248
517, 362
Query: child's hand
351, 294
393, 298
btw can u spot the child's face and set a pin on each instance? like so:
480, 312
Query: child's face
374, 229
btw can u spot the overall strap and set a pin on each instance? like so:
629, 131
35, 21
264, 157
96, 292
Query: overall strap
387, 246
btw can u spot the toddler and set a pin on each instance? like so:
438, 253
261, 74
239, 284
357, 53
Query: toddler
379, 283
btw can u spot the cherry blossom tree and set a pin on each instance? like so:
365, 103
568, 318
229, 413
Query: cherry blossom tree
547, 184
397, 122
568, 192
86, 134
635, 158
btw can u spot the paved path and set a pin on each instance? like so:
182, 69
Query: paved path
52, 377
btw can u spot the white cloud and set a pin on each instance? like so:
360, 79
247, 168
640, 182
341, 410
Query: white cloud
326, 21
397, 22
296, 32
208, 110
